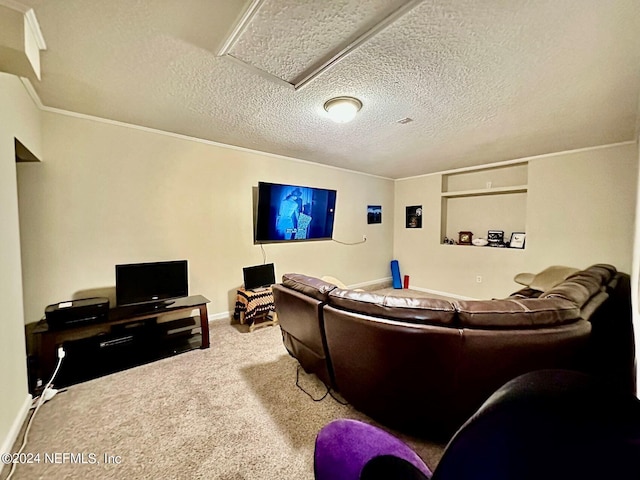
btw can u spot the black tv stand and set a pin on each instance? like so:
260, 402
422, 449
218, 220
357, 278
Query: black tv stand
48, 339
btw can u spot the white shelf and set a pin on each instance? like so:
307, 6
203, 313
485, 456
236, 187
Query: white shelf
486, 191
482, 247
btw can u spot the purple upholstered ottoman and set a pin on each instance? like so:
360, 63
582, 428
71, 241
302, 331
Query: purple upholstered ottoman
343, 448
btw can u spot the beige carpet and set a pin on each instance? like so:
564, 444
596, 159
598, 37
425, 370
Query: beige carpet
230, 412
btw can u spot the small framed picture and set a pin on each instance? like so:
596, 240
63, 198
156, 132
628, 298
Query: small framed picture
414, 216
374, 214
495, 237
465, 238
517, 240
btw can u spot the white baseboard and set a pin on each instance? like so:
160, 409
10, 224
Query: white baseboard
426, 290
13, 432
370, 282
215, 317
444, 294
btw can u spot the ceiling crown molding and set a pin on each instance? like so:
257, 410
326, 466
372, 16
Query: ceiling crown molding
34, 26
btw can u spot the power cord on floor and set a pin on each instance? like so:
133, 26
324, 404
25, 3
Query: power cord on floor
329, 391
336, 398
310, 396
47, 394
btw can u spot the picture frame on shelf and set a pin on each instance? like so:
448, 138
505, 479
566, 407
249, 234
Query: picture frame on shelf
517, 240
465, 238
495, 238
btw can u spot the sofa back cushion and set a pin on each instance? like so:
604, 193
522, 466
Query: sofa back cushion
603, 271
432, 311
575, 292
513, 313
580, 287
310, 286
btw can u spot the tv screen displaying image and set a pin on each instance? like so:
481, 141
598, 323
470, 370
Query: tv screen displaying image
293, 213
150, 282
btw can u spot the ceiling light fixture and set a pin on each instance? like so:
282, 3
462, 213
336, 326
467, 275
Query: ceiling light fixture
342, 109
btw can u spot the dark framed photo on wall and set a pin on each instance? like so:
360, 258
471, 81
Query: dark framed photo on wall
374, 214
414, 216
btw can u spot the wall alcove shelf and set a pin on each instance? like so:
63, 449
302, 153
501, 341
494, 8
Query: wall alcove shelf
483, 199
485, 191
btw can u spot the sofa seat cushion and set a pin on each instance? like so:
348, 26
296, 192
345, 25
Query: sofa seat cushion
433, 311
513, 313
311, 286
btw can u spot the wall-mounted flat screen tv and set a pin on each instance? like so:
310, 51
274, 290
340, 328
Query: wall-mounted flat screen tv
293, 213
150, 282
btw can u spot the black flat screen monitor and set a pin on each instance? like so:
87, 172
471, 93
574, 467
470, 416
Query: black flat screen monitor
292, 213
150, 282
259, 276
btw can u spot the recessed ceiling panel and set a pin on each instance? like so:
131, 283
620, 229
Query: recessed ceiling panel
289, 38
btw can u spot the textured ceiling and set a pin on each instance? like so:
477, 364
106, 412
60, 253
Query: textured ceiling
483, 81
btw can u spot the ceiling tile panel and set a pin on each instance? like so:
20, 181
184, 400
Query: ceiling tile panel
290, 37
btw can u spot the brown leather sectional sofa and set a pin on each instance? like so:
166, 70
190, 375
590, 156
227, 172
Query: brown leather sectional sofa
426, 365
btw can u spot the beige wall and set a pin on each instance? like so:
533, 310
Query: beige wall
19, 118
580, 210
110, 194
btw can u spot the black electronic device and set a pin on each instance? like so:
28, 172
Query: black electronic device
150, 282
259, 276
73, 313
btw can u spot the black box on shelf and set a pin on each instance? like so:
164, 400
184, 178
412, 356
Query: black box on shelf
73, 313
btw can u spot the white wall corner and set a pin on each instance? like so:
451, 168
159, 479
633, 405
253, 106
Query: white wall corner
28, 86
13, 432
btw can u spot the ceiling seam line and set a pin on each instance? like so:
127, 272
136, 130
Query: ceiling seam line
357, 43
240, 27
